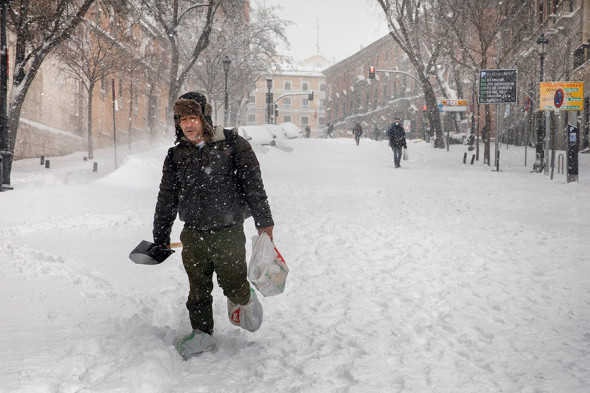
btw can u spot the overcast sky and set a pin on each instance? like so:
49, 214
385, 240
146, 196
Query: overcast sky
344, 25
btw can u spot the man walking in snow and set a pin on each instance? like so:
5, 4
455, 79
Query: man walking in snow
357, 131
211, 179
397, 140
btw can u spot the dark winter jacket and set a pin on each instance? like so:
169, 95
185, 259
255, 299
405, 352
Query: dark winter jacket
397, 136
357, 129
210, 187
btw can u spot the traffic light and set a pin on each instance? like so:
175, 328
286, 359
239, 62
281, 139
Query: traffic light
310, 97
276, 110
371, 72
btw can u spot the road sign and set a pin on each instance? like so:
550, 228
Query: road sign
558, 98
445, 105
407, 125
454, 105
527, 104
564, 96
497, 86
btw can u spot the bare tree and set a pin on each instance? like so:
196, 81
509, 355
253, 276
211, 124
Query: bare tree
91, 55
474, 33
186, 25
252, 48
40, 26
415, 27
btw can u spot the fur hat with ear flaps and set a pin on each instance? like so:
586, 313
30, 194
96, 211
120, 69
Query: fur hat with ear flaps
193, 104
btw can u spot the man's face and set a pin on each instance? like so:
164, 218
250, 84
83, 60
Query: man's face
192, 127
397, 122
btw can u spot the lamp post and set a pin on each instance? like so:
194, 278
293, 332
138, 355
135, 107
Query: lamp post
269, 101
538, 167
5, 153
226, 63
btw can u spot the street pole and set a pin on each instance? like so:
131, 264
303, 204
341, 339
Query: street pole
269, 101
538, 167
5, 152
226, 64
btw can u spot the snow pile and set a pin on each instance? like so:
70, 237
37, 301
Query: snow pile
435, 277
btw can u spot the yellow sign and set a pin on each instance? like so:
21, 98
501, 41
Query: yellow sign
563, 96
454, 102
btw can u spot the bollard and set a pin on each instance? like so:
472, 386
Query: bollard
95, 167
47, 163
465, 158
498, 161
560, 163
42, 160
472, 159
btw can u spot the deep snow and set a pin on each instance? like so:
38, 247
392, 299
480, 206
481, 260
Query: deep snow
435, 277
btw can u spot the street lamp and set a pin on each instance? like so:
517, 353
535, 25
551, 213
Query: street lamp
226, 63
541, 42
268, 100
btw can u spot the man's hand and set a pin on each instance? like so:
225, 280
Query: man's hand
268, 231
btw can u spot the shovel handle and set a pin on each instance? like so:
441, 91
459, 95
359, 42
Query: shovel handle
176, 245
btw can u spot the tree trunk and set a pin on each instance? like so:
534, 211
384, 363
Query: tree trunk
89, 127
433, 113
486, 136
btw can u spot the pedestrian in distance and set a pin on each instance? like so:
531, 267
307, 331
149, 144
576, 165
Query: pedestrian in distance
307, 131
397, 140
357, 130
330, 130
211, 178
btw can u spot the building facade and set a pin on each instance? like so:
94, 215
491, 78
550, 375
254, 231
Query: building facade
565, 25
352, 96
291, 90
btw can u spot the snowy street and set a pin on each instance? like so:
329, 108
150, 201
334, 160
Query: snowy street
438, 277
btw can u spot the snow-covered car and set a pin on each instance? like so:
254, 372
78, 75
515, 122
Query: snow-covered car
291, 130
257, 135
457, 138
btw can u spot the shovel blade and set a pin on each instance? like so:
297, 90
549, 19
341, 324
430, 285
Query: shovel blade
147, 253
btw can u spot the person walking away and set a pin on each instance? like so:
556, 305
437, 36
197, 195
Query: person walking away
330, 130
307, 131
358, 131
211, 178
397, 140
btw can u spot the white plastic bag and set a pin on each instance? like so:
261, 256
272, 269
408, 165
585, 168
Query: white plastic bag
267, 270
405, 154
247, 317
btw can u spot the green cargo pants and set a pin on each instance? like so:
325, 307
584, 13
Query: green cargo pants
222, 251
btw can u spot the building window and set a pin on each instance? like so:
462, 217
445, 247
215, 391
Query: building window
286, 118
252, 99
304, 86
287, 103
322, 87
322, 121
304, 120
304, 103
287, 85
251, 118
322, 103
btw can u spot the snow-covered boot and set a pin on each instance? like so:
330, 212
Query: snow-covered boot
193, 344
247, 316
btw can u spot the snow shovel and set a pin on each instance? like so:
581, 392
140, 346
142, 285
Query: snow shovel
147, 253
